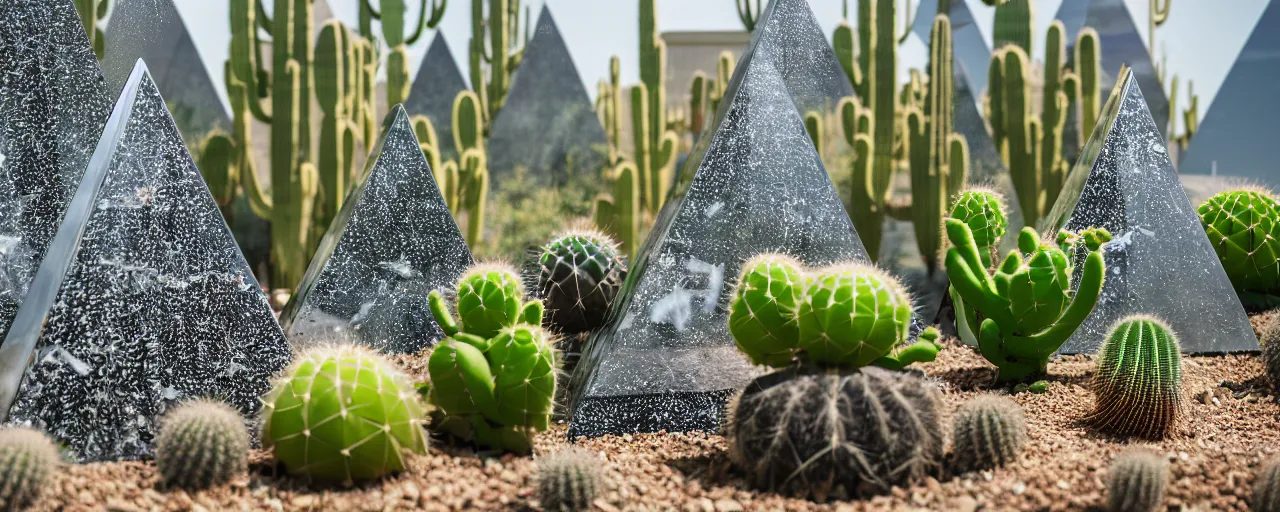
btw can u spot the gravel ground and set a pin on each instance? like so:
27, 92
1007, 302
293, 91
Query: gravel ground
1232, 424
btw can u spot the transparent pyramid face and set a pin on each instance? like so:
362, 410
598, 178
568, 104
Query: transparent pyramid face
143, 301
548, 125
393, 241
1159, 261
801, 54
53, 104
154, 31
1238, 133
1121, 45
665, 359
436, 86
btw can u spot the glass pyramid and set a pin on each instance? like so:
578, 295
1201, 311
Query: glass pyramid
1159, 261
802, 55
143, 301
1238, 133
393, 241
548, 125
436, 85
53, 104
665, 359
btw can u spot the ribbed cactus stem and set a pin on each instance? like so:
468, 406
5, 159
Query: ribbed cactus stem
1089, 70
398, 75
697, 102
882, 100
468, 122
1138, 383
813, 126
1013, 24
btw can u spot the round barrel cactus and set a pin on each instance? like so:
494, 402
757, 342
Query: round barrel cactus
28, 459
983, 210
569, 480
989, 432
202, 444
342, 415
851, 315
1137, 482
762, 314
578, 275
1139, 379
489, 299
1244, 228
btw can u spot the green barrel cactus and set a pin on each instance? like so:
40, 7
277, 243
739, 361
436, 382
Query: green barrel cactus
489, 298
1244, 228
341, 415
1028, 310
989, 433
496, 392
1138, 383
762, 314
851, 315
983, 210
28, 459
577, 275
569, 480
202, 444
1137, 482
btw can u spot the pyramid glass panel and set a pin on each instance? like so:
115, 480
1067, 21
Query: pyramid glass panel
665, 359
547, 125
1159, 261
801, 54
1238, 134
393, 241
53, 105
437, 84
143, 301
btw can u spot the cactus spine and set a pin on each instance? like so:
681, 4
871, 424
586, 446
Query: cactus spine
989, 433
1137, 482
202, 444
91, 13
569, 480
1138, 383
28, 459
392, 18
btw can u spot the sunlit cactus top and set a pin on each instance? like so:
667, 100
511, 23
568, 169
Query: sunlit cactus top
852, 314
1244, 228
762, 315
489, 298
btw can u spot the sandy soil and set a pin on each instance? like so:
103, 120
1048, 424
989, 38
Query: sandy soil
1231, 426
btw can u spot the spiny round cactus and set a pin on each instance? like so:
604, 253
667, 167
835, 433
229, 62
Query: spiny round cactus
814, 432
569, 480
1137, 482
1266, 488
202, 444
343, 414
762, 314
27, 461
983, 210
1270, 342
489, 298
1244, 228
851, 315
989, 433
578, 275
1138, 382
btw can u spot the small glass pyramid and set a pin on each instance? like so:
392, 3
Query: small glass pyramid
548, 125
1159, 261
143, 301
665, 359
436, 85
393, 241
53, 104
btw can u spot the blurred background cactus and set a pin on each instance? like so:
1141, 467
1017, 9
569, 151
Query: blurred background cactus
988, 433
28, 460
92, 13
1138, 384
202, 444
495, 51
1137, 482
392, 13
569, 480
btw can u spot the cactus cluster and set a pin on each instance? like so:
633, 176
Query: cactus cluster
569, 480
822, 432
1244, 228
577, 275
1026, 307
343, 414
1270, 342
1266, 488
392, 17
846, 315
28, 459
91, 14
989, 432
494, 376
1137, 482
202, 444
463, 182
1138, 383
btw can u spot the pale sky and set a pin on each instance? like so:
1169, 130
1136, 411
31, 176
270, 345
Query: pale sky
1202, 37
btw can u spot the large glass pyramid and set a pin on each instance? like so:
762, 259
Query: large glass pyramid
436, 85
143, 300
393, 241
665, 359
53, 104
1159, 261
1238, 134
801, 54
548, 125
1121, 45
154, 31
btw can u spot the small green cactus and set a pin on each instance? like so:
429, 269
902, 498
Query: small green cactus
983, 210
1244, 227
1270, 342
578, 275
1138, 380
762, 314
1137, 482
489, 299
1266, 488
343, 414
989, 433
202, 444
28, 459
851, 315
569, 480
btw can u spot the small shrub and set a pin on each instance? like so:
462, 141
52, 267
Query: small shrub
1266, 488
569, 480
1137, 482
1138, 382
989, 432
202, 444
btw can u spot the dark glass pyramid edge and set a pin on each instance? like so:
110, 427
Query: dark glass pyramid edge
629, 414
28, 324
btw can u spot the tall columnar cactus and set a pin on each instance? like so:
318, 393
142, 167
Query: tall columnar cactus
989, 433
1027, 305
609, 108
699, 92
749, 13
1137, 482
1053, 114
341, 415
577, 275
1088, 65
392, 15
91, 13
336, 151
493, 64
813, 126
1244, 228
1138, 383
655, 145
1013, 24
619, 214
